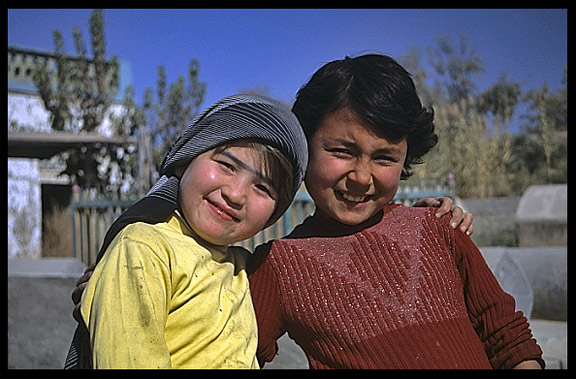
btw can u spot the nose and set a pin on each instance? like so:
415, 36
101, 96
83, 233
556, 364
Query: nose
360, 177
235, 193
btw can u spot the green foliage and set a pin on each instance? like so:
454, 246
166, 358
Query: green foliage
471, 147
172, 110
545, 135
78, 91
457, 66
475, 144
160, 120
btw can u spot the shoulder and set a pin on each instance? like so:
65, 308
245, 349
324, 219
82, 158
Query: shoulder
415, 224
415, 215
154, 235
274, 256
146, 242
403, 210
260, 256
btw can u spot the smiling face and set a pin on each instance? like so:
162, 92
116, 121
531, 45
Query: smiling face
226, 196
353, 171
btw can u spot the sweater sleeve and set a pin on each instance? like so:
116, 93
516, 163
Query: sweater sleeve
125, 307
504, 332
266, 298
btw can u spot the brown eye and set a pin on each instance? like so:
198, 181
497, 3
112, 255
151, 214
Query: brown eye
265, 189
226, 165
340, 152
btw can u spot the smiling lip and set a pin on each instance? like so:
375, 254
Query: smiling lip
353, 198
223, 212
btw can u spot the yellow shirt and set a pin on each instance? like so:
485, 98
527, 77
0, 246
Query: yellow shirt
163, 298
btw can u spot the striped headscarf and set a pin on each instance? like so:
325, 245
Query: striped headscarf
232, 118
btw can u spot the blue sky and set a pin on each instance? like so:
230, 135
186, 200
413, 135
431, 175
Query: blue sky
280, 48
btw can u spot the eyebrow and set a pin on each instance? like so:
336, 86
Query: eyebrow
384, 150
247, 168
388, 150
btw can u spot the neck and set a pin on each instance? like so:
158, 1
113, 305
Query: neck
322, 225
189, 231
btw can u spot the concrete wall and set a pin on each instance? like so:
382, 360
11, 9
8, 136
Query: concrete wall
494, 223
539, 273
542, 216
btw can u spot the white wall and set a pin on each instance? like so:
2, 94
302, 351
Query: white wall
24, 208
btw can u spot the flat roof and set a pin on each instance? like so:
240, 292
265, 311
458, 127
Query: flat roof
45, 145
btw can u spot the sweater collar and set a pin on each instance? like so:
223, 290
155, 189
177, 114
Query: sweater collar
321, 225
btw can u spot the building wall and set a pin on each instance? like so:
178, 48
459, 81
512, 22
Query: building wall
24, 208
26, 113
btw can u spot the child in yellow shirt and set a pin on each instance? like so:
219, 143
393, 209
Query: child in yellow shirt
168, 290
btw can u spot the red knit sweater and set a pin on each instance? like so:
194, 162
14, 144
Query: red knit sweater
404, 290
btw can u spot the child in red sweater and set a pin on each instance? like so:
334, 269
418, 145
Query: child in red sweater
366, 284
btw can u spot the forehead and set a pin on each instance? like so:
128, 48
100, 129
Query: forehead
344, 126
247, 156
249, 159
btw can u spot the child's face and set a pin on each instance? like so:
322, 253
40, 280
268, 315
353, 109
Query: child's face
225, 196
353, 170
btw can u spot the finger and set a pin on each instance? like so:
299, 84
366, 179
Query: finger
90, 267
445, 207
84, 278
77, 293
428, 202
76, 313
420, 203
466, 225
457, 217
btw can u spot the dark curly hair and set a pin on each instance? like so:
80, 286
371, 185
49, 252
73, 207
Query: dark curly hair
379, 92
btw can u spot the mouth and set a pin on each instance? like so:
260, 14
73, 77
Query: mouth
352, 198
223, 211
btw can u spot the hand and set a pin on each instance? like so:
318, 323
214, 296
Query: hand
529, 365
444, 205
77, 293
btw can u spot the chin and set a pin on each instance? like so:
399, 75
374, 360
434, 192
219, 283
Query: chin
352, 220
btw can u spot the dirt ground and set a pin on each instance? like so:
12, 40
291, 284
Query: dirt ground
40, 323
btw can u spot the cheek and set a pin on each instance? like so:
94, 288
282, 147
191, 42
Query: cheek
323, 172
209, 177
188, 195
204, 170
389, 179
191, 189
260, 211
